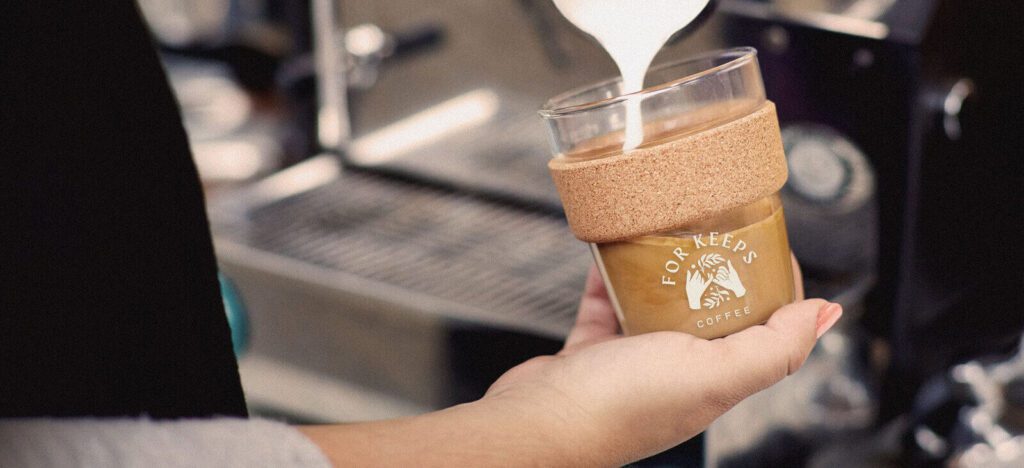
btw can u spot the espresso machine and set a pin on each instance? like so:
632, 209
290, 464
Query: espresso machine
420, 249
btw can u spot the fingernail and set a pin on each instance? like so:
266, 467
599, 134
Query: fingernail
827, 317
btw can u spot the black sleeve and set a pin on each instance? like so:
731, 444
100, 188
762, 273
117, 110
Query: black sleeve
109, 302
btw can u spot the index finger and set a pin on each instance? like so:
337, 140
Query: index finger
596, 317
760, 356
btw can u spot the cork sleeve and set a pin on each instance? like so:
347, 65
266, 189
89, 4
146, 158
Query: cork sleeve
672, 184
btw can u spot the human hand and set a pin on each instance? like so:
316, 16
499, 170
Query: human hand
605, 399
727, 278
695, 287
602, 400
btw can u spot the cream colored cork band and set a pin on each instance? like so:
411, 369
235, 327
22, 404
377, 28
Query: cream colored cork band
661, 188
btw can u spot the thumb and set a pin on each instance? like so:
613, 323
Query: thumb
760, 356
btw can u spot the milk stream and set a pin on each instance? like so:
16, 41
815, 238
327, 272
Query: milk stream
632, 32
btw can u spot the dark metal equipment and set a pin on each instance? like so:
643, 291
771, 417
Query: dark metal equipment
905, 105
897, 118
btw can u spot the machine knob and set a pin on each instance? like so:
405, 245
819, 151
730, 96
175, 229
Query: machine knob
952, 107
826, 168
816, 171
831, 212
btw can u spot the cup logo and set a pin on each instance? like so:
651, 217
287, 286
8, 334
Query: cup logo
715, 283
711, 277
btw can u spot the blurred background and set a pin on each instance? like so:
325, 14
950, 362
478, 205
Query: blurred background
390, 241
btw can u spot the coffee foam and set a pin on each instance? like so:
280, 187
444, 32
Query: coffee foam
684, 180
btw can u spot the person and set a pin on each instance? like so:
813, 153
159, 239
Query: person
114, 348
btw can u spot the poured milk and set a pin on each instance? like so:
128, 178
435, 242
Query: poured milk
632, 31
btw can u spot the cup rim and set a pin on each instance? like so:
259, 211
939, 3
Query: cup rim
741, 56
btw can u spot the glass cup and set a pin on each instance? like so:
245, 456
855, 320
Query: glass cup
720, 263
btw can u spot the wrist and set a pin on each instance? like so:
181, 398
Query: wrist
549, 431
535, 435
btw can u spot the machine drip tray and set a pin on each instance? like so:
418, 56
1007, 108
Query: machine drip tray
410, 290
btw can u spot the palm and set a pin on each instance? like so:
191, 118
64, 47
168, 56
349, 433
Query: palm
654, 390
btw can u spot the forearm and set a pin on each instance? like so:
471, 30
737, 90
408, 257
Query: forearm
143, 442
488, 432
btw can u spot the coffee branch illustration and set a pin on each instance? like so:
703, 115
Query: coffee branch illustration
709, 276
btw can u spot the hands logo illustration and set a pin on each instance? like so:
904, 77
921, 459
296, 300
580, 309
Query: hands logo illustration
729, 279
725, 277
695, 287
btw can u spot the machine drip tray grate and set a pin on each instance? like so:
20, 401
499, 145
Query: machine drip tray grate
506, 262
